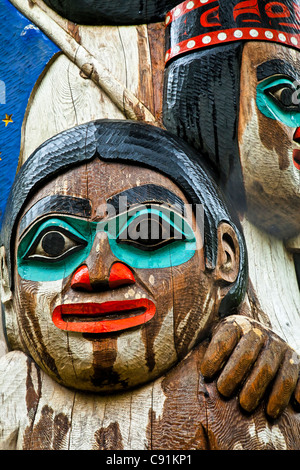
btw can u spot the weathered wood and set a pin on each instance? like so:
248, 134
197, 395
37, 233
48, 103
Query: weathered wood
164, 352
274, 282
48, 416
271, 180
293, 244
75, 100
90, 67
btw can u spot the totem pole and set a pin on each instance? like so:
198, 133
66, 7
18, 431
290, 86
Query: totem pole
129, 318
235, 97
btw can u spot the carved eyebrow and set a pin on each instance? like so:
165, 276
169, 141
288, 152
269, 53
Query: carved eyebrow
82, 207
276, 67
58, 203
148, 193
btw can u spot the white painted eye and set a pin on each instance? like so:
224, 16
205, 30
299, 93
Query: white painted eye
54, 245
284, 95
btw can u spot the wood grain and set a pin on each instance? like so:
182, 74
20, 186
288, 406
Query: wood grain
88, 64
275, 283
63, 97
44, 415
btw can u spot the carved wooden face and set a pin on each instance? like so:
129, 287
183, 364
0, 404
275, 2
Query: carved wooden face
269, 129
100, 307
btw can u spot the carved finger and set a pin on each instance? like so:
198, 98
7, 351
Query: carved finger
284, 384
220, 348
264, 371
240, 362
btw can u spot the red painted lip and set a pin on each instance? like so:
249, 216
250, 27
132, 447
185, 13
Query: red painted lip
296, 159
124, 314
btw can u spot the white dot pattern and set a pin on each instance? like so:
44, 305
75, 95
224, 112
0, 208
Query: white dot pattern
238, 33
222, 36
206, 39
228, 35
282, 37
191, 44
190, 5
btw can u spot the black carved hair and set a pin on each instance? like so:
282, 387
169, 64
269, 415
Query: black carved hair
95, 12
201, 105
132, 143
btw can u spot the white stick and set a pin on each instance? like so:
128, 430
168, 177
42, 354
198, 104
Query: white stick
55, 28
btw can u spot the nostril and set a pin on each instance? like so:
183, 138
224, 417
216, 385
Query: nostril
120, 275
81, 279
297, 135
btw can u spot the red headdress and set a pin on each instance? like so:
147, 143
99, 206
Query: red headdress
195, 24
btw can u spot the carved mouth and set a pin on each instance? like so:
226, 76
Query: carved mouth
105, 317
296, 159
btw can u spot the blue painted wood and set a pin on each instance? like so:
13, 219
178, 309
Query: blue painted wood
24, 53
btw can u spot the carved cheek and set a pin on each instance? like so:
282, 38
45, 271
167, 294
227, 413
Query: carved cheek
34, 304
157, 339
192, 304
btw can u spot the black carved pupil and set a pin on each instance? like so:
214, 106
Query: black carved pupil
53, 243
286, 96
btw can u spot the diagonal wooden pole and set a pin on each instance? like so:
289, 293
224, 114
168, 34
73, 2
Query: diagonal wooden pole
56, 28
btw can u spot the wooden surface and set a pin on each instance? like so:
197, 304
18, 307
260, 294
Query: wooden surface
274, 283
44, 415
67, 38
132, 55
112, 12
271, 180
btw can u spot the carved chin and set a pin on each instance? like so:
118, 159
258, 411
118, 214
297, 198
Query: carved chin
89, 361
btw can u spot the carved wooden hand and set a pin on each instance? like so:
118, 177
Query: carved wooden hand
255, 363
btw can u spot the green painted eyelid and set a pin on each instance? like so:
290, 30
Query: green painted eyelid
171, 255
268, 106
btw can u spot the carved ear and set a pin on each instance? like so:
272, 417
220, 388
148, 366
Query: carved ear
228, 259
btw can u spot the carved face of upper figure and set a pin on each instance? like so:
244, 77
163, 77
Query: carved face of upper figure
269, 135
104, 298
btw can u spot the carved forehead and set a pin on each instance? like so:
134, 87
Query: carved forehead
271, 58
99, 181
86, 190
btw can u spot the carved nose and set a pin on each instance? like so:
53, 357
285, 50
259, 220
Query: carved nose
120, 275
297, 135
81, 279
